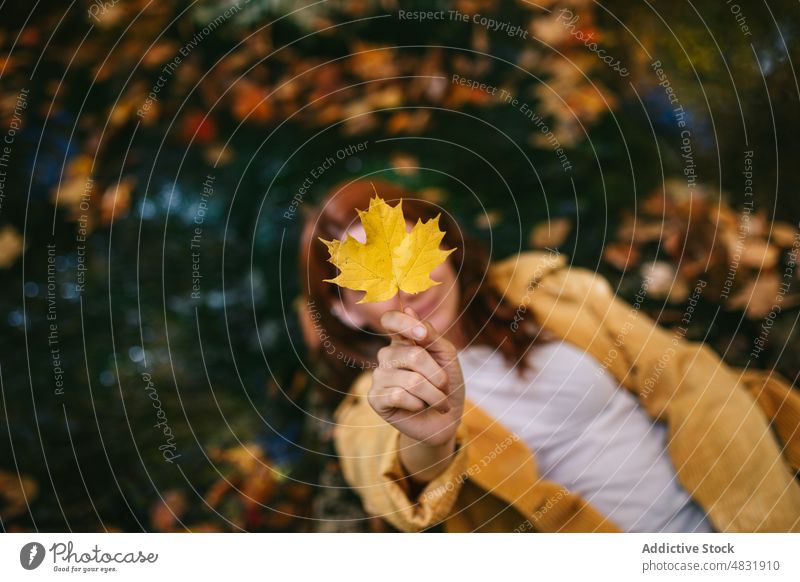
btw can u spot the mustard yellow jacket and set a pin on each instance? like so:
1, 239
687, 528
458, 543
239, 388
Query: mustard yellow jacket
733, 434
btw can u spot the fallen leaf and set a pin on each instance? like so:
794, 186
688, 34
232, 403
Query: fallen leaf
16, 493
11, 246
434, 195
758, 296
406, 122
200, 128
640, 231
76, 184
218, 155
166, 511
550, 233
216, 492
753, 252
373, 62
783, 234
664, 281
258, 487
405, 164
116, 200
621, 255
250, 102
549, 29
488, 219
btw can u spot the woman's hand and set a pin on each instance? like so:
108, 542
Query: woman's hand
419, 389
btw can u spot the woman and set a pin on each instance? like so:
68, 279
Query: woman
523, 396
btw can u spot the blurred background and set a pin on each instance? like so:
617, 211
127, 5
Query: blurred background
156, 159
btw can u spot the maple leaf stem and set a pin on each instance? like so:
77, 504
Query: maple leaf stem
403, 309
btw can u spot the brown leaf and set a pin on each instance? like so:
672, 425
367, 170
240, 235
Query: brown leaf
638, 230
754, 253
434, 195
116, 200
387, 97
488, 219
664, 281
16, 492
724, 217
372, 61
460, 95
258, 487
405, 164
298, 492
106, 14
621, 256
758, 296
408, 122
281, 517
244, 459
359, 123
251, 102
165, 512
752, 223
549, 29
158, 53
550, 233
11, 246
216, 492
783, 234
75, 184
218, 155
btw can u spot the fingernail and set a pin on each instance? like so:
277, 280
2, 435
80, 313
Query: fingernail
419, 331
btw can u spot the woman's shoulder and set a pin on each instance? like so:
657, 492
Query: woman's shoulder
521, 268
546, 271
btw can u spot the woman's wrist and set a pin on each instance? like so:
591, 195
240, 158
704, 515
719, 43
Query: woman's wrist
424, 462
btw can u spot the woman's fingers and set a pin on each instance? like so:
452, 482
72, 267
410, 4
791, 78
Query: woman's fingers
420, 387
414, 358
408, 325
395, 397
399, 323
412, 382
398, 334
442, 349
400, 340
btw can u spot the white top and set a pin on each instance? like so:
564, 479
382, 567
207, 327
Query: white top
587, 433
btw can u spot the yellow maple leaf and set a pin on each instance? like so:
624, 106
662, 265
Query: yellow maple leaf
391, 259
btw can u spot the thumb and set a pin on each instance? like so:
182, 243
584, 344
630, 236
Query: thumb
400, 340
440, 348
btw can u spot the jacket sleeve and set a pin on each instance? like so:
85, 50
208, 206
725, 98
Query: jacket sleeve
721, 440
781, 403
367, 447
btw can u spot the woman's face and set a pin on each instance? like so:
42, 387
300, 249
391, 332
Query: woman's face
438, 304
